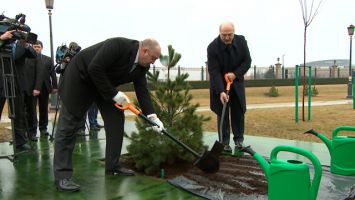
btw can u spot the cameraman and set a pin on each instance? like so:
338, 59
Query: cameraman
65, 59
3, 37
20, 50
64, 56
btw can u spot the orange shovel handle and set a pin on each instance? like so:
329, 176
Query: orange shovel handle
229, 82
129, 106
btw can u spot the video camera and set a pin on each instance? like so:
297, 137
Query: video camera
63, 52
18, 23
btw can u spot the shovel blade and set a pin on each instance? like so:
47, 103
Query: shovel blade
209, 162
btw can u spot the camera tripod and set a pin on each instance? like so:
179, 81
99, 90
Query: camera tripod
10, 94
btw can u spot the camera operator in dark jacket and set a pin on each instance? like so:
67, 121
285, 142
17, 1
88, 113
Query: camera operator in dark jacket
20, 51
4, 37
92, 76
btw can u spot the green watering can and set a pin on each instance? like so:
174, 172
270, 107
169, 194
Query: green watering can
289, 179
341, 149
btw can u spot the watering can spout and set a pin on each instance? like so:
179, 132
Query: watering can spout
261, 160
326, 141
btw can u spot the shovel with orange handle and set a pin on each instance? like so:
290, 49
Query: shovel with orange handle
207, 162
220, 133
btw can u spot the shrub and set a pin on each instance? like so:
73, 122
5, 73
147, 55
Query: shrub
171, 101
273, 92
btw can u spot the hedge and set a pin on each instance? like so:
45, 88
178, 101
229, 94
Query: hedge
257, 83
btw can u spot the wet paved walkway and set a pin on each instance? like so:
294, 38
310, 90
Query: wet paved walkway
31, 176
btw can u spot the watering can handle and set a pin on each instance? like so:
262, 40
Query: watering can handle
310, 156
342, 128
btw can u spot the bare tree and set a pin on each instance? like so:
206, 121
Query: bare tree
308, 17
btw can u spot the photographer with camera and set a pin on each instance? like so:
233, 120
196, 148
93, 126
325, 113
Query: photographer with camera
20, 50
15, 48
3, 38
63, 57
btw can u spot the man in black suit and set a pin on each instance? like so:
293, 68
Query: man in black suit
41, 80
93, 75
229, 54
32, 72
20, 51
45, 83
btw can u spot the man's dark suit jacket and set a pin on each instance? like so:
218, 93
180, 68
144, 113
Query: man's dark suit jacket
95, 73
218, 65
32, 73
47, 77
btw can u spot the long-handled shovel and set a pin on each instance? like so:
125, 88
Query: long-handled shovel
220, 132
207, 162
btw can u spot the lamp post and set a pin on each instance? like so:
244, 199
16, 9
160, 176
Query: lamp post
351, 33
49, 6
283, 66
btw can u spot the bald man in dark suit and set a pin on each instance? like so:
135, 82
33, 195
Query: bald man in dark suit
93, 76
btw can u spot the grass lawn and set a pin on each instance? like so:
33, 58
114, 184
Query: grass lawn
275, 122
279, 122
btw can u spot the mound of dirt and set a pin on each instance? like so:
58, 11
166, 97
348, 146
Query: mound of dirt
237, 176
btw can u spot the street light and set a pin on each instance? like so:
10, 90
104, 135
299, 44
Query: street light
351, 33
49, 6
283, 66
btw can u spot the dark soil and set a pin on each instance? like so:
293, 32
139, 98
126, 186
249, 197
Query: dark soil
237, 175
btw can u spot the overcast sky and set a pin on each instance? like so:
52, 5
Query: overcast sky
273, 28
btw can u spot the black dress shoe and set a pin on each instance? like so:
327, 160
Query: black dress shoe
227, 148
33, 138
81, 132
23, 148
120, 171
239, 144
100, 126
44, 133
94, 128
67, 185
